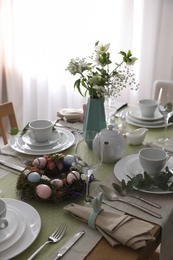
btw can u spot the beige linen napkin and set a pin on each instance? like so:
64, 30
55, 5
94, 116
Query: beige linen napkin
116, 228
71, 114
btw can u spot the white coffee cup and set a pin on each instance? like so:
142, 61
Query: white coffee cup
3, 220
153, 160
41, 130
147, 107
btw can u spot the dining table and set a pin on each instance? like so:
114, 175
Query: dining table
92, 245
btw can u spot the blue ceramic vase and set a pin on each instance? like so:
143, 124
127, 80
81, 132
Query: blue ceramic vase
95, 115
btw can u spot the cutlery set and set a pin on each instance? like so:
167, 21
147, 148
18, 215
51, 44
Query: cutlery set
110, 195
56, 236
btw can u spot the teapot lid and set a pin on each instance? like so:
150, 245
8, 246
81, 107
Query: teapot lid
110, 131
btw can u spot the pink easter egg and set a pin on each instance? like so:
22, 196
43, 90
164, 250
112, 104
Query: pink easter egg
73, 175
39, 162
43, 191
57, 182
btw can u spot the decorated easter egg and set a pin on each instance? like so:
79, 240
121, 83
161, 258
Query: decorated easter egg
43, 191
57, 182
73, 175
39, 162
68, 160
34, 177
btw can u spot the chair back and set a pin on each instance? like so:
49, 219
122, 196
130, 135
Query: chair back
166, 85
7, 111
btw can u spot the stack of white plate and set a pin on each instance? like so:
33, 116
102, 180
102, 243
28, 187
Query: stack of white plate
60, 140
24, 225
133, 116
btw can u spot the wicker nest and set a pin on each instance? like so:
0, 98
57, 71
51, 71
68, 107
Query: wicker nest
52, 178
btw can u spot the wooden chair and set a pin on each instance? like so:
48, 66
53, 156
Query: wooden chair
165, 84
7, 110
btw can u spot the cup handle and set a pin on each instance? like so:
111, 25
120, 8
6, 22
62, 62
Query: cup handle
3, 223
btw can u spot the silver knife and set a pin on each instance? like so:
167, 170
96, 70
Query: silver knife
12, 166
69, 244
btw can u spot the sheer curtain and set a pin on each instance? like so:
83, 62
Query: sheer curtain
39, 37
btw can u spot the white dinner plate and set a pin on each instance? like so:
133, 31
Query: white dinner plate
139, 123
31, 231
67, 139
19, 231
150, 123
135, 112
13, 222
130, 165
28, 139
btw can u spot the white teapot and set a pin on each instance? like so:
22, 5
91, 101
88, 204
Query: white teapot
114, 144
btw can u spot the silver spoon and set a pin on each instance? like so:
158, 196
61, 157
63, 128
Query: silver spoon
110, 195
120, 191
23, 160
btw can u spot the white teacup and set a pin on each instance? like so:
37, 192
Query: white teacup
147, 107
153, 160
41, 129
3, 220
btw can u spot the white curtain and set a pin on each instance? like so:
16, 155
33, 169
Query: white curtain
39, 37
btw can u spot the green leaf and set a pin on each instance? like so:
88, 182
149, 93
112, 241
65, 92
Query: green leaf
129, 186
122, 53
129, 53
137, 180
145, 181
171, 119
14, 131
25, 129
169, 107
77, 85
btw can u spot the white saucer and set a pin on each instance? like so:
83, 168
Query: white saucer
19, 231
67, 139
33, 225
130, 166
136, 122
135, 112
13, 222
28, 139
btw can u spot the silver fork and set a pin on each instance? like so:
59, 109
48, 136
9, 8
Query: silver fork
24, 161
54, 238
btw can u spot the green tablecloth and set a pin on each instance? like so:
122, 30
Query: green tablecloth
52, 214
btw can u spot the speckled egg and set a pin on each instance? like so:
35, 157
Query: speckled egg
34, 177
57, 182
68, 160
73, 175
39, 162
43, 191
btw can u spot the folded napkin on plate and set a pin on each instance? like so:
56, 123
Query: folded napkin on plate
71, 114
117, 229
